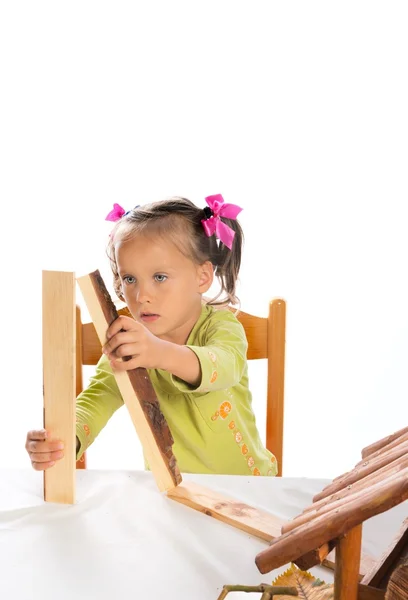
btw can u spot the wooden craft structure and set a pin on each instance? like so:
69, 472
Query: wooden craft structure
334, 519
377, 483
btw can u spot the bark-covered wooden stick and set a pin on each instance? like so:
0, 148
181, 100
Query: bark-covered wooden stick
136, 389
368, 467
381, 443
362, 492
400, 440
397, 465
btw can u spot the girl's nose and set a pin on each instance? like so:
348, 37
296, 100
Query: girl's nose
143, 294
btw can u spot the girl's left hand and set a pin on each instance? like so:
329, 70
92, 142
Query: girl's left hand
127, 337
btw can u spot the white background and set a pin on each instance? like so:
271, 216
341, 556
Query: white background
296, 111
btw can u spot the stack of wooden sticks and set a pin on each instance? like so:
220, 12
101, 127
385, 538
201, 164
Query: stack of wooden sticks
334, 519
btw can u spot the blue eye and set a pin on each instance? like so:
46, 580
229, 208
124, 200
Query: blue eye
160, 278
128, 279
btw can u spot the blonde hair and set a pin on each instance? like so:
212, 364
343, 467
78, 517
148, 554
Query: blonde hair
179, 220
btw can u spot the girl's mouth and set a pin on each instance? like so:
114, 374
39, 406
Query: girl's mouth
149, 317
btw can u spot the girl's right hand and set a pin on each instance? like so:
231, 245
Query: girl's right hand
43, 452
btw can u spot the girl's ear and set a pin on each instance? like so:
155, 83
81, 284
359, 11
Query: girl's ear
205, 276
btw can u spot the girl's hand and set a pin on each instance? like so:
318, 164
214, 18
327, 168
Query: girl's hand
43, 453
128, 338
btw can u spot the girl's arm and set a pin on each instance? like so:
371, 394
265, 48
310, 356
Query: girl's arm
183, 363
219, 357
95, 405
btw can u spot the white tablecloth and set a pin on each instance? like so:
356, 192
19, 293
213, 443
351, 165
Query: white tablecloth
124, 539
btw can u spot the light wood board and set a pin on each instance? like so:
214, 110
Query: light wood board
58, 328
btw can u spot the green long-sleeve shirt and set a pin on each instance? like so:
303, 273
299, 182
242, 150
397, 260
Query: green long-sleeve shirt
213, 425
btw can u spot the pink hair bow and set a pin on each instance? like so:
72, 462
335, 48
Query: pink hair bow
213, 224
116, 213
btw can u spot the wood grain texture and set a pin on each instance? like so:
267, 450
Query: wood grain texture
346, 572
276, 379
254, 521
59, 380
136, 389
79, 383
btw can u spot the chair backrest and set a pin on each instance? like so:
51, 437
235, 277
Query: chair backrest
266, 340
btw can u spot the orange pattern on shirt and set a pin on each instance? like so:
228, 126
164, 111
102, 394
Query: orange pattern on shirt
225, 409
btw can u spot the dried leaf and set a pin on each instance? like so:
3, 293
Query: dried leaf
308, 587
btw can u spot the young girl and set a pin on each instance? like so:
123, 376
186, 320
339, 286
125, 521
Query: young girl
164, 257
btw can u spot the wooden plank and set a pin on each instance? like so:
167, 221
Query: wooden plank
346, 575
81, 463
136, 389
386, 563
58, 347
276, 379
254, 521
91, 344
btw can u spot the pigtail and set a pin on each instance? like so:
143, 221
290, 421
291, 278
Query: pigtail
227, 265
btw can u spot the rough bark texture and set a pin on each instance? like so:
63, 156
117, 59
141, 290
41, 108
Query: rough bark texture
143, 388
398, 584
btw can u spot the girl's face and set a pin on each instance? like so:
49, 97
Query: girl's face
162, 288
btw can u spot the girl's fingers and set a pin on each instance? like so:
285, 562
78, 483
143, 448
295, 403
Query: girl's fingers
121, 324
42, 466
45, 457
37, 434
44, 446
118, 340
126, 350
125, 365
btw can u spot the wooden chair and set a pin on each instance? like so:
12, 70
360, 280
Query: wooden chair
266, 339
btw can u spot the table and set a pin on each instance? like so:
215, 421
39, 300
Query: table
124, 539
